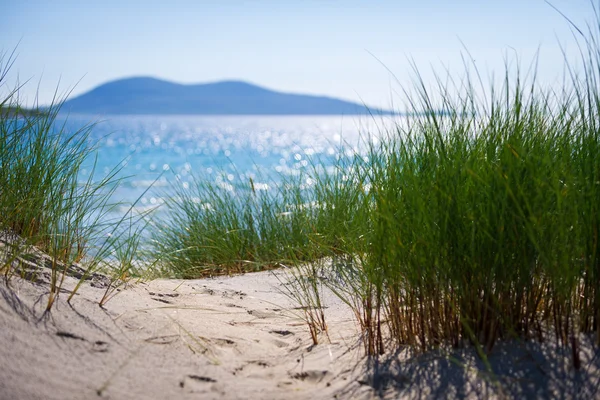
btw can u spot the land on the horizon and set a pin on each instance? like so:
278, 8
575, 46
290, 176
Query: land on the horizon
144, 95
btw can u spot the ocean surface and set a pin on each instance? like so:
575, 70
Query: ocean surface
158, 153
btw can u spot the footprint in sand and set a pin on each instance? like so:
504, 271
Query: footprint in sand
201, 384
312, 376
232, 305
99, 346
255, 369
223, 342
69, 335
283, 333
162, 300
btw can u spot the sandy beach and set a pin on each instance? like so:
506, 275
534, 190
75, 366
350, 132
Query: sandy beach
239, 337
300, 200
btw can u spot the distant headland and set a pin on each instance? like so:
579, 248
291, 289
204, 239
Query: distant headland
144, 95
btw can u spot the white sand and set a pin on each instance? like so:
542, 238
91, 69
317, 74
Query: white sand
237, 338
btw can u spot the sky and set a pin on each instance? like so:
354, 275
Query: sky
350, 49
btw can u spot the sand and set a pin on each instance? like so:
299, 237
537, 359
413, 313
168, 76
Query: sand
237, 337
240, 337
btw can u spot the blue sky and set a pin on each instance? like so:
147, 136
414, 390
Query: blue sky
323, 47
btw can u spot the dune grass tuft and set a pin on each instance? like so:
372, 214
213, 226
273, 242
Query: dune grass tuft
473, 224
46, 203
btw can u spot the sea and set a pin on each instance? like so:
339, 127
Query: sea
156, 154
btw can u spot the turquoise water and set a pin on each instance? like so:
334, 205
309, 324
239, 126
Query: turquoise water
228, 150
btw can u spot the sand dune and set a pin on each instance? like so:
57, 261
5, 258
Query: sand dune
238, 338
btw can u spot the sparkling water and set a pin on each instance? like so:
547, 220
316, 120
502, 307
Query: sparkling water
167, 151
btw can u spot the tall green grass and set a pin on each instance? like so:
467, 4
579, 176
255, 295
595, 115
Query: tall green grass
213, 229
473, 224
45, 200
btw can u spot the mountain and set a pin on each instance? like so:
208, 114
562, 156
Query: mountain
144, 95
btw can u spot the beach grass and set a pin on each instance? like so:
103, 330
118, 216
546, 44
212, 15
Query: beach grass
46, 203
469, 225
477, 219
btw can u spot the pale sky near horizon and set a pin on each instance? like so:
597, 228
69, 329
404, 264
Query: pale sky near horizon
327, 47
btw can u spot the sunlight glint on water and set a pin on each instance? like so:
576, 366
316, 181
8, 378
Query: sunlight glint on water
224, 149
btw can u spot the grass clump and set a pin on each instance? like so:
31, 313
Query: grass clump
214, 228
473, 224
485, 219
46, 204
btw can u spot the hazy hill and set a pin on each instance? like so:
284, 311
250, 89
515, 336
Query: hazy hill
154, 96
